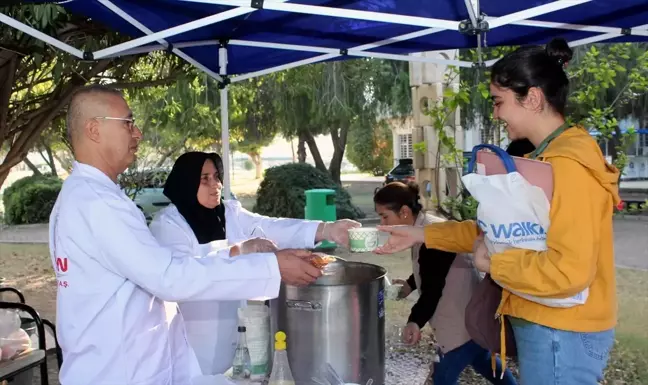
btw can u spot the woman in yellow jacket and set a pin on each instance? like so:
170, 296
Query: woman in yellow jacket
555, 345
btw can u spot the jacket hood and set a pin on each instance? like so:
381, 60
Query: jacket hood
577, 144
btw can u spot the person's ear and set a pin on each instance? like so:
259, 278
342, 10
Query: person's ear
535, 99
92, 131
405, 212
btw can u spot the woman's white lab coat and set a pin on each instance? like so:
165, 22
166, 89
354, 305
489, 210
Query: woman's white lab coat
211, 325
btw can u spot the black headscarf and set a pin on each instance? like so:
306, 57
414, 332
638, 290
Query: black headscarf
181, 188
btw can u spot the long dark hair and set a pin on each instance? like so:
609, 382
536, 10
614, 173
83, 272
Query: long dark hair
395, 195
536, 66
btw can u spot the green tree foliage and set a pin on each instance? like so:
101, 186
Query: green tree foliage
609, 82
370, 147
329, 98
39, 80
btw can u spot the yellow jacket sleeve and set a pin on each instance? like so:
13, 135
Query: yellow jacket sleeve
568, 265
451, 236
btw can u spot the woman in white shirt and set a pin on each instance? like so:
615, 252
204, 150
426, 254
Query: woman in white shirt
199, 221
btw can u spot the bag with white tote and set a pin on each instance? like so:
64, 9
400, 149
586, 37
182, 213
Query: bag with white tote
513, 213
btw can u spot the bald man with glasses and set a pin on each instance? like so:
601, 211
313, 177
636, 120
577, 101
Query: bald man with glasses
113, 324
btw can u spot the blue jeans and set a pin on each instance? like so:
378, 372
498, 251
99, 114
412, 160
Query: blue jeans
555, 357
448, 370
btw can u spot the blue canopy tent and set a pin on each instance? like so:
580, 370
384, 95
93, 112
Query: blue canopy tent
234, 40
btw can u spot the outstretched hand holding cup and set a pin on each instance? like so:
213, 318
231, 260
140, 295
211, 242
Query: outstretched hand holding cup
400, 238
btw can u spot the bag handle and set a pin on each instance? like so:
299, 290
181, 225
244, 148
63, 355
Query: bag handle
509, 164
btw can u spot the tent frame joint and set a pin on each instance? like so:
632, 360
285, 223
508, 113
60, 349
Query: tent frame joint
169, 48
467, 27
256, 4
225, 82
626, 31
88, 56
222, 43
344, 52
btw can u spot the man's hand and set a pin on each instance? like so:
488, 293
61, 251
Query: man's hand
411, 333
405, 291
337, 231
481, 257
400, 238
295, 268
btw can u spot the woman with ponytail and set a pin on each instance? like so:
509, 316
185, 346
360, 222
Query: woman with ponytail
445, 282
571, 345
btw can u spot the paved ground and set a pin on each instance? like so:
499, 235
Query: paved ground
630, 240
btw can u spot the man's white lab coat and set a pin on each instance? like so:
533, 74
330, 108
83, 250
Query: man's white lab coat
211, 326
113, 278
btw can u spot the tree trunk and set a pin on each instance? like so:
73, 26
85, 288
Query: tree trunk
301, 149
339, 140
49, 159
292, 148
32, 166
65, 162
255, 156
312, 146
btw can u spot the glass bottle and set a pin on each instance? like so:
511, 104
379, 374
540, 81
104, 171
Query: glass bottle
281, 373
242, 365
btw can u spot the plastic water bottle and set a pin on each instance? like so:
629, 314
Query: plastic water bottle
281, 373
242, 365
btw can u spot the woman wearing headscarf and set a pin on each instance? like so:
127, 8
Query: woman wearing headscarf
199, 221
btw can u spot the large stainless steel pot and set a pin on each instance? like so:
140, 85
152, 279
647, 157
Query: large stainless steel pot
340, 319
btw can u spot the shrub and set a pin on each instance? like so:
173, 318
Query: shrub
30, 199
281, 193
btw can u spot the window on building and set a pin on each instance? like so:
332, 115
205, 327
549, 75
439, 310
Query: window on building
405, 150
642, 144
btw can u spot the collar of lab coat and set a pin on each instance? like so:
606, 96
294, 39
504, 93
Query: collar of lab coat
94, 173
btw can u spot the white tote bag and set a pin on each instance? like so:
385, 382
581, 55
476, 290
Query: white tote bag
513, 213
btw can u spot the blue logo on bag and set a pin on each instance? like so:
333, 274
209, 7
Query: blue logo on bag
512, 229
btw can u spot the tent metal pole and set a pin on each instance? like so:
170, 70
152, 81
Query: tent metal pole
176, 50
342, 12
565, 26
40, 35
282, 67
640, 30
182, 28
164, 46
423, 59
534, 12
225, 156
471, 12
350, 52
407, 36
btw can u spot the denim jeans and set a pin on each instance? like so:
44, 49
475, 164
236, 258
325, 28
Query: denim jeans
556, 357
447, 371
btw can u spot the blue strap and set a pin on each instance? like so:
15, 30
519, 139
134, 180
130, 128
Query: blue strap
509, 165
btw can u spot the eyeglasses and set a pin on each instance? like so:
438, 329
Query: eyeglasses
130, 122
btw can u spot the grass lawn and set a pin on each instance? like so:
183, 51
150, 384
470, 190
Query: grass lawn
28, 268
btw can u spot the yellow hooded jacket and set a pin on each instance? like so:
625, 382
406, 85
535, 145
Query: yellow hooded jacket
580, 246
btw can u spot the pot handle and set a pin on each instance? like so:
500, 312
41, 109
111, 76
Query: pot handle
303, 305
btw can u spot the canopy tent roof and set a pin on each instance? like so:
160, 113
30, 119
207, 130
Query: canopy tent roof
267, 35
249, 38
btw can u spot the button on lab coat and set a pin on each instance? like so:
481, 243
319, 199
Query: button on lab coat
113, 278
211, 326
